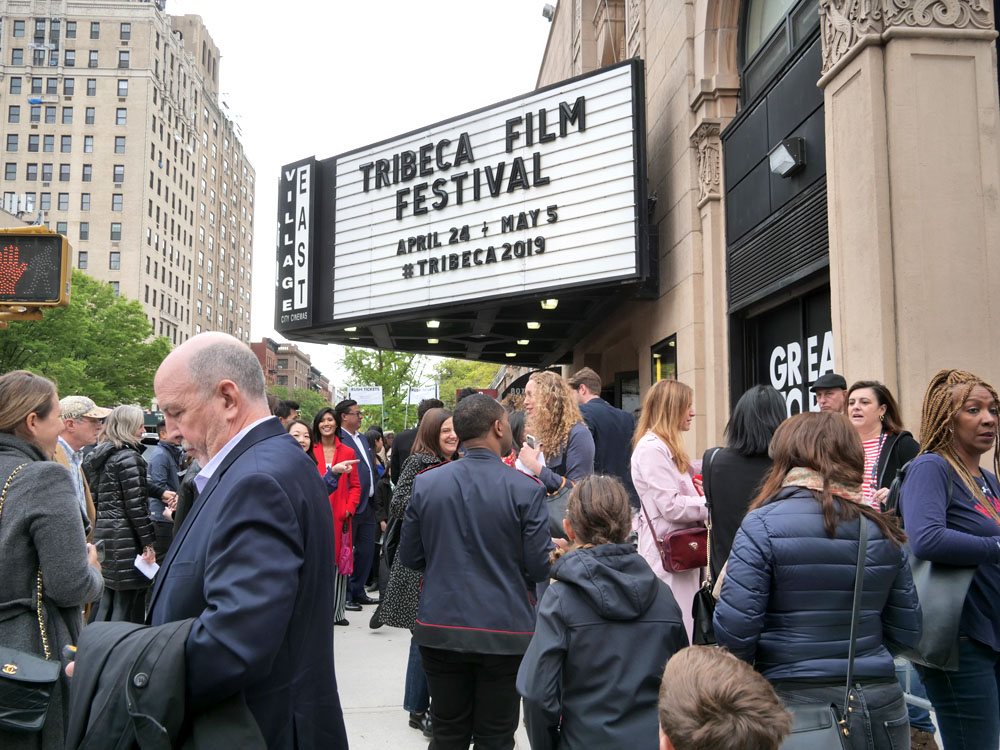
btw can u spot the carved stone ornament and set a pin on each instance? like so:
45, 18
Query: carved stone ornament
635, 28
847, 23
709, 147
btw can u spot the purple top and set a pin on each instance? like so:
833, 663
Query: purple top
956, 534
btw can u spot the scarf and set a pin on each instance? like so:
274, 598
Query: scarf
813, 480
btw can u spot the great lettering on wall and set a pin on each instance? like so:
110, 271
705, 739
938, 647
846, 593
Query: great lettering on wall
793, 370
537, 193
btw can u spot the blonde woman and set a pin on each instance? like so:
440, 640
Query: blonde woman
664, 478
116, 474
561, 436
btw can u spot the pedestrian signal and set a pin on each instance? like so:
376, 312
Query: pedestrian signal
34, 268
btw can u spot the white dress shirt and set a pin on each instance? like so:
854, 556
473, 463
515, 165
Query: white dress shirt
216, 461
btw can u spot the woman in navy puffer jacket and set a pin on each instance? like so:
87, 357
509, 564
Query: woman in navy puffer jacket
786, 599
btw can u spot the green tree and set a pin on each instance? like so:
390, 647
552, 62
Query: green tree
394, 371
454, 374
99, 346
309, 402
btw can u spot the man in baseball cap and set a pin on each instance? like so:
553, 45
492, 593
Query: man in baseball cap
831, 392
82, 422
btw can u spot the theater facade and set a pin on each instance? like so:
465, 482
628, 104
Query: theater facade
744, 191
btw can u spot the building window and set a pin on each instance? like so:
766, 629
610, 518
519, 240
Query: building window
123, 58
50, 115
88, 144
81, 260
119, 144
36, 85
46, 173
92, 62
48, 143
31, 172
10, 171
126, 32
116, 231
51, 85
70, 60
116, 201
64, 173
15, 85
91, 87
119, 173
18, 29
115, 260
67, 115
95, 30
69, 86
664, 359
63, 202
122, 87
61, 228
17, 57
114, 286
84, 201
88, 172
45, 201
66, 144
13, 113
84, 230
89, 116
71, 29
120, 114
33, 143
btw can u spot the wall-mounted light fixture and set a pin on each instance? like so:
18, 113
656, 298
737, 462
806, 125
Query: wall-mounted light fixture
523, 342
533, 325
433, 323
432, 341
788, 157
550, 304
351, 329
548, 11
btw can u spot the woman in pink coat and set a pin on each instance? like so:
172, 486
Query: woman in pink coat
664, 477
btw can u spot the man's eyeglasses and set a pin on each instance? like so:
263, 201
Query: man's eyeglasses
354, 414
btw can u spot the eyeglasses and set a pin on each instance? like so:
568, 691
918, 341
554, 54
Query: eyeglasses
354, 414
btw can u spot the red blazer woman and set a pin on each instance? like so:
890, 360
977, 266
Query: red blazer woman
343, 500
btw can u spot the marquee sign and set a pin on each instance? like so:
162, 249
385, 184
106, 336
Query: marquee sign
533, 195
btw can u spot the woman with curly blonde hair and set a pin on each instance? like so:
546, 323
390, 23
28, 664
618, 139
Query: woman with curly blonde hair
564, 447
664, 477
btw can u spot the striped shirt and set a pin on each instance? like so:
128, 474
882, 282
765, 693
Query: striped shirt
869, 484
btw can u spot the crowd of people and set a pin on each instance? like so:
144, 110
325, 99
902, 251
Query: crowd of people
550, 555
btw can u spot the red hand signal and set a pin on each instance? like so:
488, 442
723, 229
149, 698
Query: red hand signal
11, 269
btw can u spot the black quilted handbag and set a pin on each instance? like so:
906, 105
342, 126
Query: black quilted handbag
26, 680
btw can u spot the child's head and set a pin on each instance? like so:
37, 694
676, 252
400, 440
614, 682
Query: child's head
710, 699
598, 512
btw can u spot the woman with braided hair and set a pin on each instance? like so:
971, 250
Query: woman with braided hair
606, 626
959, 425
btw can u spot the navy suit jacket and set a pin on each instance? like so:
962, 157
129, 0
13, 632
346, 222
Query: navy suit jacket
612, 429
253, 562
363, 472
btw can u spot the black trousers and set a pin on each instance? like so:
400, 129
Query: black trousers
363, 527
164, 531
473, 699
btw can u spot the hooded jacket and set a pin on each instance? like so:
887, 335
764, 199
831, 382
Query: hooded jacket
117, 478
591, 675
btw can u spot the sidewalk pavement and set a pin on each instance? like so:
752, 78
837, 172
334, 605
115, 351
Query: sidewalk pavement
371, 670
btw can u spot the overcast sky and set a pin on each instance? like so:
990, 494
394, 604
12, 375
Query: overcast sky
305, 78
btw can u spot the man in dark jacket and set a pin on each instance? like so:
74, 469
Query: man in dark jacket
403, 442
612, 430
163, 482
479, 531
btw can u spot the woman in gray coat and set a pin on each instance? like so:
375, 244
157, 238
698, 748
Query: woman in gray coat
40, 529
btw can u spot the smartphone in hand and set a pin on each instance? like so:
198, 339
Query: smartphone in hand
529, 440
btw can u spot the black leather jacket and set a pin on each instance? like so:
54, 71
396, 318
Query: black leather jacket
117, 479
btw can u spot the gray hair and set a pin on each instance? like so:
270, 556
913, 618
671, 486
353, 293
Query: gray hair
121, 426
228, 361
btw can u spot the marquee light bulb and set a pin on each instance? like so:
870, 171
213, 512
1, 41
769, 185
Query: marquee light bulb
533, 325
432, 341
433, 323
523, 342
550, 304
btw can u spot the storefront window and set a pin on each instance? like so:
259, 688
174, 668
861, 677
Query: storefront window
762, 17
665, 359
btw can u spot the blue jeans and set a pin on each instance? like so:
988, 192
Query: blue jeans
920, 718
967, 702
878, 720
416, 696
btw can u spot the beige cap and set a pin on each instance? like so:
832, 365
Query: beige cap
74, 407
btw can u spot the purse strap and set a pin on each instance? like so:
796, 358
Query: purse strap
859, 584
39, 610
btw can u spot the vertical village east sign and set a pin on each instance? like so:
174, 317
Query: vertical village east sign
538, 195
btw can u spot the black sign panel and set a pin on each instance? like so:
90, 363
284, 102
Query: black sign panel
34, 268
296, 215
791, 346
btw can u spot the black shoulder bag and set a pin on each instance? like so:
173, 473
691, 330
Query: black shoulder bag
25, 680
824, 726
703, 606
941, 590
